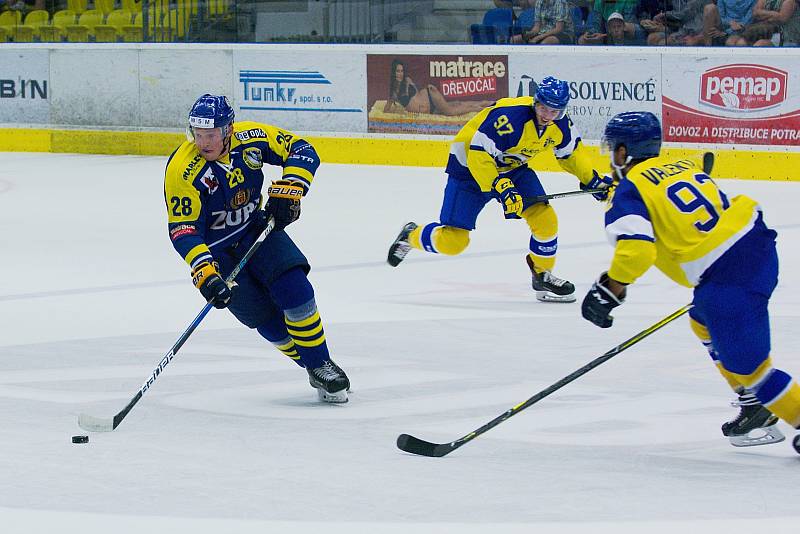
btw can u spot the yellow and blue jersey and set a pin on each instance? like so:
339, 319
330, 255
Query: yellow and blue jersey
209, 203
505, 136
669, 213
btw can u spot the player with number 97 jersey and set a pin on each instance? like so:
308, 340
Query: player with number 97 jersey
489, 160
667, 212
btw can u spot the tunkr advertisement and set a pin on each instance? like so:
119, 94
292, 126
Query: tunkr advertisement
312, 91
431, 94
600, 85
711, 100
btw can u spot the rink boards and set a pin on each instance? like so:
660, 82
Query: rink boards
742, 104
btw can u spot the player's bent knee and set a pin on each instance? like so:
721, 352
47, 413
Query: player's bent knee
451, 240
541, 219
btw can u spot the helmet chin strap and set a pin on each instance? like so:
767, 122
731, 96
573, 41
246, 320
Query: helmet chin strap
619, 168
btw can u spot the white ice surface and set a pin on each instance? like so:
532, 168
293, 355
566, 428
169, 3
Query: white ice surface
232, 439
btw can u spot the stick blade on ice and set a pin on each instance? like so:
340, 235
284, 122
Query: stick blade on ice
421, 447
95, 424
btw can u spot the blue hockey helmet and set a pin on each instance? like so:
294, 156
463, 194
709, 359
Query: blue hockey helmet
638, 131
211, 111
553, 93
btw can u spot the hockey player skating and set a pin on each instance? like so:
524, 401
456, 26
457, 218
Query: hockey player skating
489, 160
213, 193
668, 212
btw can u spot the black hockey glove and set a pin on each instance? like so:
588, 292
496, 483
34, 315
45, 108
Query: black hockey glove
207, 279
508, 196
260, 219
284, 202
599, 182
599, 302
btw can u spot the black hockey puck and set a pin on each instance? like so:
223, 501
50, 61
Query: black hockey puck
80, 439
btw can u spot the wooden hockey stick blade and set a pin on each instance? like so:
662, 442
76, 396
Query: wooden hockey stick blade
708, 162
421, 447
95, 424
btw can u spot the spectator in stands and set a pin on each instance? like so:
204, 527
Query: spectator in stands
603, 9
772, 18
682, 26
405, 96
648, 10
514, 3
553, 24
24, 6
615, 31
724, 22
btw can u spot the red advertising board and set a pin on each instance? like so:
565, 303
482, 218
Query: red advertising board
431, 94
710, 101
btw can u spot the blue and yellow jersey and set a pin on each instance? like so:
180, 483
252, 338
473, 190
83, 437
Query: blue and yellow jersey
209, 203
669, 213
505, 136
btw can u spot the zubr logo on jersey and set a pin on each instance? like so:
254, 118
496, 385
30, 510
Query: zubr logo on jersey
743, 87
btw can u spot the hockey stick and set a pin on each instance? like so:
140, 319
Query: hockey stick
708, 166
708, 162
425, 448
542, 198
107, 424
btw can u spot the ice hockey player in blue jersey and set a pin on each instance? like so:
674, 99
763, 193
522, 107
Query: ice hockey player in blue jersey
489, 160
667, 212
213, 191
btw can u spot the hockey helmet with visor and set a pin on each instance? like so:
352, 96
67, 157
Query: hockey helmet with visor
553, 95
638, 131
211, 111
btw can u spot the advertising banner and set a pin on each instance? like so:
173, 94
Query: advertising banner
718, 101
301, 90
431, 94
24, 86
600, 85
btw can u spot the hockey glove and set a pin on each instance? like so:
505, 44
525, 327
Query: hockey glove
284, 202
599, 182
207, 279
599, 302
508, 196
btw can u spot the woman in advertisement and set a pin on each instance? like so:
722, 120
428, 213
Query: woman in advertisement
404, 96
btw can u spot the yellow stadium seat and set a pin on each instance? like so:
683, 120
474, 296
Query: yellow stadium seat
106, 6
30, 29
4, 35
132, 33
176, 27
112, 30
161, 23
77, 6
23, 34
80, 32
192, 7
9, 20
55, 31
134, 6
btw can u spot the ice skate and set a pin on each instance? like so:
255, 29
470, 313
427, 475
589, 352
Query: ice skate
400, 246
330, 382
550, 288
755, 425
